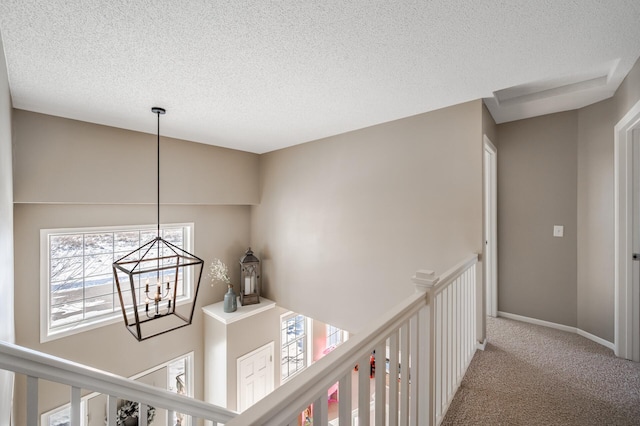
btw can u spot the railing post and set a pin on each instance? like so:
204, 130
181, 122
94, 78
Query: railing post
425, 281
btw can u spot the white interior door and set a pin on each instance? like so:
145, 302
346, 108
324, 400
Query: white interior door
627, 234
635, 265
491, 226
255, 376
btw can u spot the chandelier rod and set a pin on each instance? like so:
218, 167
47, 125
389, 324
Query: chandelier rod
158, 111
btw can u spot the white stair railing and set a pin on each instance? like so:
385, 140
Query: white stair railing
452, 336
36, 366
427, 342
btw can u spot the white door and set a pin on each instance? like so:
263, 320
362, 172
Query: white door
491, 226
635, 265
627, 234
255, 376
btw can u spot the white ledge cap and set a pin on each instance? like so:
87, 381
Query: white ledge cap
425, 278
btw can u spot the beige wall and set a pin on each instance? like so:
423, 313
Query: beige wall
57, 200
344, 222
537, 176
105, 165
489, 126
6, 236
225, 343
537, 189
596, 207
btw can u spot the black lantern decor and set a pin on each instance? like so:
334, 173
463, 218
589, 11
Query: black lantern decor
156, 272
249, 279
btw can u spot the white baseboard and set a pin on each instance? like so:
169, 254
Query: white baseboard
537, 322
562, 327
605, 343
482, 345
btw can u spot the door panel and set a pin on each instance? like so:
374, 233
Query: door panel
255, 376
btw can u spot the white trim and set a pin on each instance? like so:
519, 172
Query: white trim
491, 289
600, 340
557, 326
623, 223
46, 333
481, 345
537, 322
216, 310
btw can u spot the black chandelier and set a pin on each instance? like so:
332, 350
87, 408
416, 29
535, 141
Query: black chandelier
168, 268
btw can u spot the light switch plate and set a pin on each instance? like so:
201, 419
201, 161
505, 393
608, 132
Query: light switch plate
558, 231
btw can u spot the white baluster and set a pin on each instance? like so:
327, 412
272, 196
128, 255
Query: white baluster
393, 379
143, 420
424, 366
437, 305
405, 374
344, 399
32, 401
380, 383
74, 418
320, 410
112, 410
415, 366
364, 389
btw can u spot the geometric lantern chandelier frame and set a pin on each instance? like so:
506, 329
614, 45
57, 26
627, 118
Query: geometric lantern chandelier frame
156, 272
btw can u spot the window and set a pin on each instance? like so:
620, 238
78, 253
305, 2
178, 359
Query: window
293, 337
93, 406
77, 287
334, 336
179, 379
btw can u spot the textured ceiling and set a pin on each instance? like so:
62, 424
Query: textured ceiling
259, 75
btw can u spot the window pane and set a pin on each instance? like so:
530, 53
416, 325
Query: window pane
148, 235
66, 313
99, 285
98, 306
126, 241
174, 236
98, 243
66, 292
60, 418
98, 264
66, 269
65, 246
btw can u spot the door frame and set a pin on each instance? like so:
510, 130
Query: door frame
490, 225
270, 371
625, 304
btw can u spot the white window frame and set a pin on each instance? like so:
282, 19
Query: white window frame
308, 339
46, 333
338, 332
190, 378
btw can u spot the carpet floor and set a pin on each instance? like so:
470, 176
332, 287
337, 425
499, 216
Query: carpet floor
534, 375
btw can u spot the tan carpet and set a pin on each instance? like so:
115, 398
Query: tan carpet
533, 375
